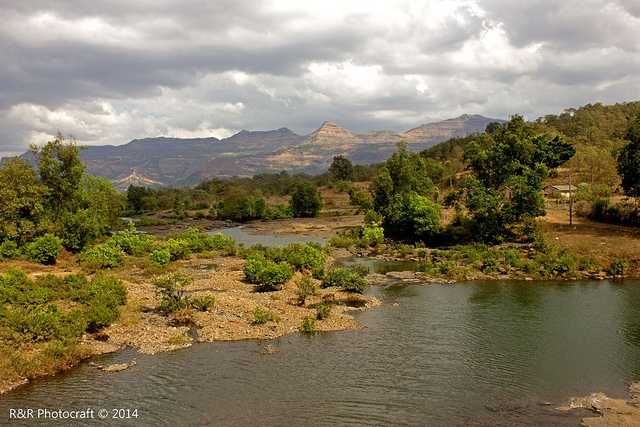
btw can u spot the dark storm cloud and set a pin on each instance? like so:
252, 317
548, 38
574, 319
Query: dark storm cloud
111, 71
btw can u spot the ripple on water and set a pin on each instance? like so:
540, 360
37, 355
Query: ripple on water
470, 354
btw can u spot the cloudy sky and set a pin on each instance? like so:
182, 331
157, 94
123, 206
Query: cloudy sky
124, 69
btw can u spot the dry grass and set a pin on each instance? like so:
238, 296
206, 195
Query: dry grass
601, 241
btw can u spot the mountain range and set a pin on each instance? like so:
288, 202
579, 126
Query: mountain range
166, 161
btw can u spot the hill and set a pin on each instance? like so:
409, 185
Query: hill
165, 161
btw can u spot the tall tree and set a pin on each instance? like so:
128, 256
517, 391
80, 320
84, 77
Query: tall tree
22, 198
629, 161
341, 169
61, 172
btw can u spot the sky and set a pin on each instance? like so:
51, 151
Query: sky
111, 71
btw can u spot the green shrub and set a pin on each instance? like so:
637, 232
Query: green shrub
104, 255
178, 248
341, 241
220, 242
170, 288
267, 274
305, 287
203, 303
9, 250
303, 257
105, 295
372, 236
160, 257
346, 279
263, 315
323, 311
305, 201
44, 249
618, 267
131, 242
588, 264
279, 211
308, 325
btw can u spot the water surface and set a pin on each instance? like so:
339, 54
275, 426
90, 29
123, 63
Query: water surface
246, 236
465, 354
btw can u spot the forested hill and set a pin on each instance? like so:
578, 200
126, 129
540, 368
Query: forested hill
596, 130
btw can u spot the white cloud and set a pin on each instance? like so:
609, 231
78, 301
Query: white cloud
108, 73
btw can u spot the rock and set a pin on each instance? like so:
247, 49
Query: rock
269, 349
117, 367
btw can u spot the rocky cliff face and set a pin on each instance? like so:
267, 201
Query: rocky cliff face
179, 162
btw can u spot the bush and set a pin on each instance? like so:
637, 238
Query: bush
102, 256
241, 207
618, 267
279, 211
346, 279
305, 288
372, 236
170, 288
132, 243
306, 201
267, 274
308, 325
9, 250
303, 256
78, 229
44, 249
262, 316
323, 311
203, 303
160, 257
105, 295
178, 248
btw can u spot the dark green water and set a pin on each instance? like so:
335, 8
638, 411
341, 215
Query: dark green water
468, 354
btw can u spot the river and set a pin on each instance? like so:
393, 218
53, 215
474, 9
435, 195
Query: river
465, 354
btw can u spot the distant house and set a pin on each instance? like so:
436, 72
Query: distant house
562, 190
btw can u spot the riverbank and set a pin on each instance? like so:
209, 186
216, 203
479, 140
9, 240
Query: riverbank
609, 411
233, 316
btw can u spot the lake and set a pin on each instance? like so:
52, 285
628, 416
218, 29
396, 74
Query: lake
464, 354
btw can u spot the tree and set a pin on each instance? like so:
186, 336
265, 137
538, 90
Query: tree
341, 169
22, 202
61, 172
403, 196
306, 201
629, 161
508, 166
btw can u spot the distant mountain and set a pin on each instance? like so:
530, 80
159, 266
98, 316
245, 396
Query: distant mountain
179, 161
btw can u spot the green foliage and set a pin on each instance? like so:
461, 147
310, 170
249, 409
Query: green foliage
629, 161
160, 257
323, 311
178, 248
266, 274
44, 249
346, 279
61, 173
131, 242
305, 287
100, 256
620, 213
308, 325
29, 312
306, 201
341, 169
403, 196
22, 207
171, 290
618, 267
279, 211
263, 315
509, 166
360, 199
9, 250
203, 303
241, 207
372, 236
301, 256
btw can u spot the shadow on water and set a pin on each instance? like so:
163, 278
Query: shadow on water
469, 354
